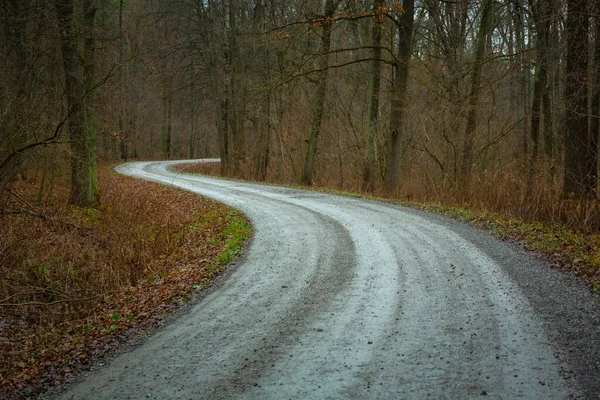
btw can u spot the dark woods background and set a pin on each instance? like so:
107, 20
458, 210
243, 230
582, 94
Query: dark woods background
493, 103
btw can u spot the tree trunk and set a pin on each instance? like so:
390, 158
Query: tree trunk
264, 139
523, 75
370, 173
168, 143
595, 131
165, 122
549, 136
577, 152
471, 126
227, 104
89, 66
399, 95
262, 161
122, 131
192, 136
541, 17
81, 176
551, 142
134, 137
319, 100
236, 90
224, 135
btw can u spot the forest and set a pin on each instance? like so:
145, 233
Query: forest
485, 109
492, 101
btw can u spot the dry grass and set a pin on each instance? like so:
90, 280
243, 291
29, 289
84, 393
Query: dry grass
505, 192
73, 280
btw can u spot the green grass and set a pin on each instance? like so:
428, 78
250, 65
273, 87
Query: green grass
237, 232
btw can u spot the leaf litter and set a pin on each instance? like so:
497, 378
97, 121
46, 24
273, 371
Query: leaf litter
77, 283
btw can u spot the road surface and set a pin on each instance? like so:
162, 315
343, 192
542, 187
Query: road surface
339, 297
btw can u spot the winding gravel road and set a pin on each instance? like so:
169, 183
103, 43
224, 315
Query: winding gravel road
339, 297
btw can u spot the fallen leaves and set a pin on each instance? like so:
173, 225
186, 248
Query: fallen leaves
144, 253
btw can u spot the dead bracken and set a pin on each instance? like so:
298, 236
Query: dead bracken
77, 282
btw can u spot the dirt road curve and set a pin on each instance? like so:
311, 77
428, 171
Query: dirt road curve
345, 298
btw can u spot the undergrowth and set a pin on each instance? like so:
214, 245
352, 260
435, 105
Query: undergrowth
74, 282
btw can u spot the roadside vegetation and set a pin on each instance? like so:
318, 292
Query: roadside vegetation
75, 282
566, 231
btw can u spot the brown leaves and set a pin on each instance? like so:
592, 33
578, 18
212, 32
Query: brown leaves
141, 255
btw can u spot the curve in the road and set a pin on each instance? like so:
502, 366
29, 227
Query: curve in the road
339, 297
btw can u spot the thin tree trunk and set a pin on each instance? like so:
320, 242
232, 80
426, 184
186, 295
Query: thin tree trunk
167, 126
522, 74
399, 95
264, 140
226, 103
549, 136
236, 92
542, 25
224, 135
262, 161
89, 58
134, 137
192, 137
53, 167
451, 38
551, 142
595, 131
370, 173
42, 186
168, 143
165, 123
319, 101
576, 173
471, 126
122, 130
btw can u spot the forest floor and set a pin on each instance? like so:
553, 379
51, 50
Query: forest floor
76, 283
573, 251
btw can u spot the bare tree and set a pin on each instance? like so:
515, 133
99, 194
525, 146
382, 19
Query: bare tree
122, 131
541, 11
371, 170
595, 111
577, 146
321, 83
399, 97
485, 25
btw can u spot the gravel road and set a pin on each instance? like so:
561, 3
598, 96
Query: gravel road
339, 297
